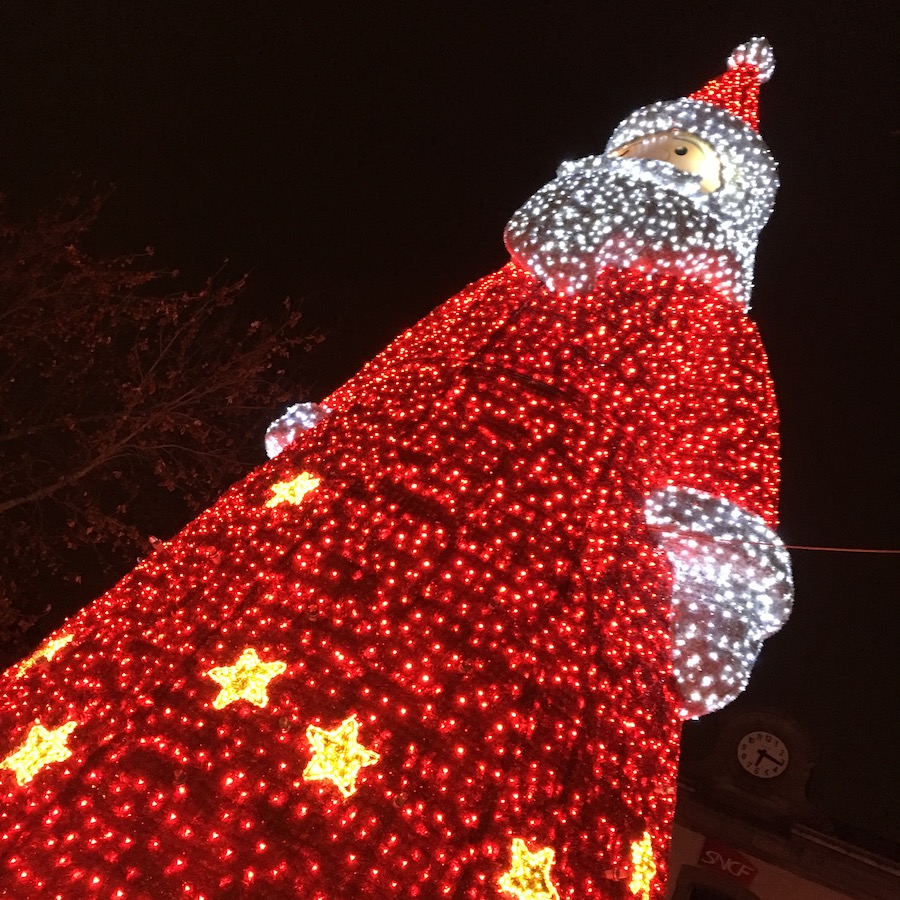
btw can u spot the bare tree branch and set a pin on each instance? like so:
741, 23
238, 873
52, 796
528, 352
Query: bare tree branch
122, 393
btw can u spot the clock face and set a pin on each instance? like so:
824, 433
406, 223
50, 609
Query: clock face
762, 754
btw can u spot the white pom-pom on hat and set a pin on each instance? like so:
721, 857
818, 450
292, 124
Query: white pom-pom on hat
755, 52
736, 90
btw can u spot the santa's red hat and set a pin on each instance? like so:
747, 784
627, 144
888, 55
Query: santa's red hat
737, 90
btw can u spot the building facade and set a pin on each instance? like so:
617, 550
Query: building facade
746, 831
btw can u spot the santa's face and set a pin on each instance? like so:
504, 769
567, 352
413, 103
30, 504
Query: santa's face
681, 149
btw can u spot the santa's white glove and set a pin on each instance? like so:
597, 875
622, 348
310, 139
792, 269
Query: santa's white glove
732, 589
287, 428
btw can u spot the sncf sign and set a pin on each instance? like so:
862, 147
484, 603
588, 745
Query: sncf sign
722, 858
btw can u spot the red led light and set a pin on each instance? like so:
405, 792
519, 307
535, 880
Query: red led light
471, 581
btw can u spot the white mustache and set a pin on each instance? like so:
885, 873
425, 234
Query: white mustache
651, 171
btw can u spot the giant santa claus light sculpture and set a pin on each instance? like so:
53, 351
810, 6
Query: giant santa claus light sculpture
441, 645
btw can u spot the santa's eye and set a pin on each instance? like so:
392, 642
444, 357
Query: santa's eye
681, 151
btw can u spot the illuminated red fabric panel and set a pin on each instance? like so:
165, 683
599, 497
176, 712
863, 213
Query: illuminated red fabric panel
463, 580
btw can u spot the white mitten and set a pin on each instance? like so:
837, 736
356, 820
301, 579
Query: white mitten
732, 589
296, 419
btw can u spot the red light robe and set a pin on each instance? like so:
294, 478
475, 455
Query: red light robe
472, 579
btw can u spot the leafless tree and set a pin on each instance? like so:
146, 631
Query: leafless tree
125, 400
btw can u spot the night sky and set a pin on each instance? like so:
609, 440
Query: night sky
366, 157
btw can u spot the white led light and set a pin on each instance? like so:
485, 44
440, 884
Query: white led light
732, 589
646, 213
287, 428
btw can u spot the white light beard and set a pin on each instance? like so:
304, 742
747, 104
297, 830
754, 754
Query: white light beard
633, 213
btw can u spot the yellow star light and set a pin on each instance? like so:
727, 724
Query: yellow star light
40, 748
293, 491
248, 679
337, 755
643, 866
528, 877
47, 651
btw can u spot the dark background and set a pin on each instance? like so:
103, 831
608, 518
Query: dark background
365, 157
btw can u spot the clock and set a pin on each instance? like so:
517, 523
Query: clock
762, 754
